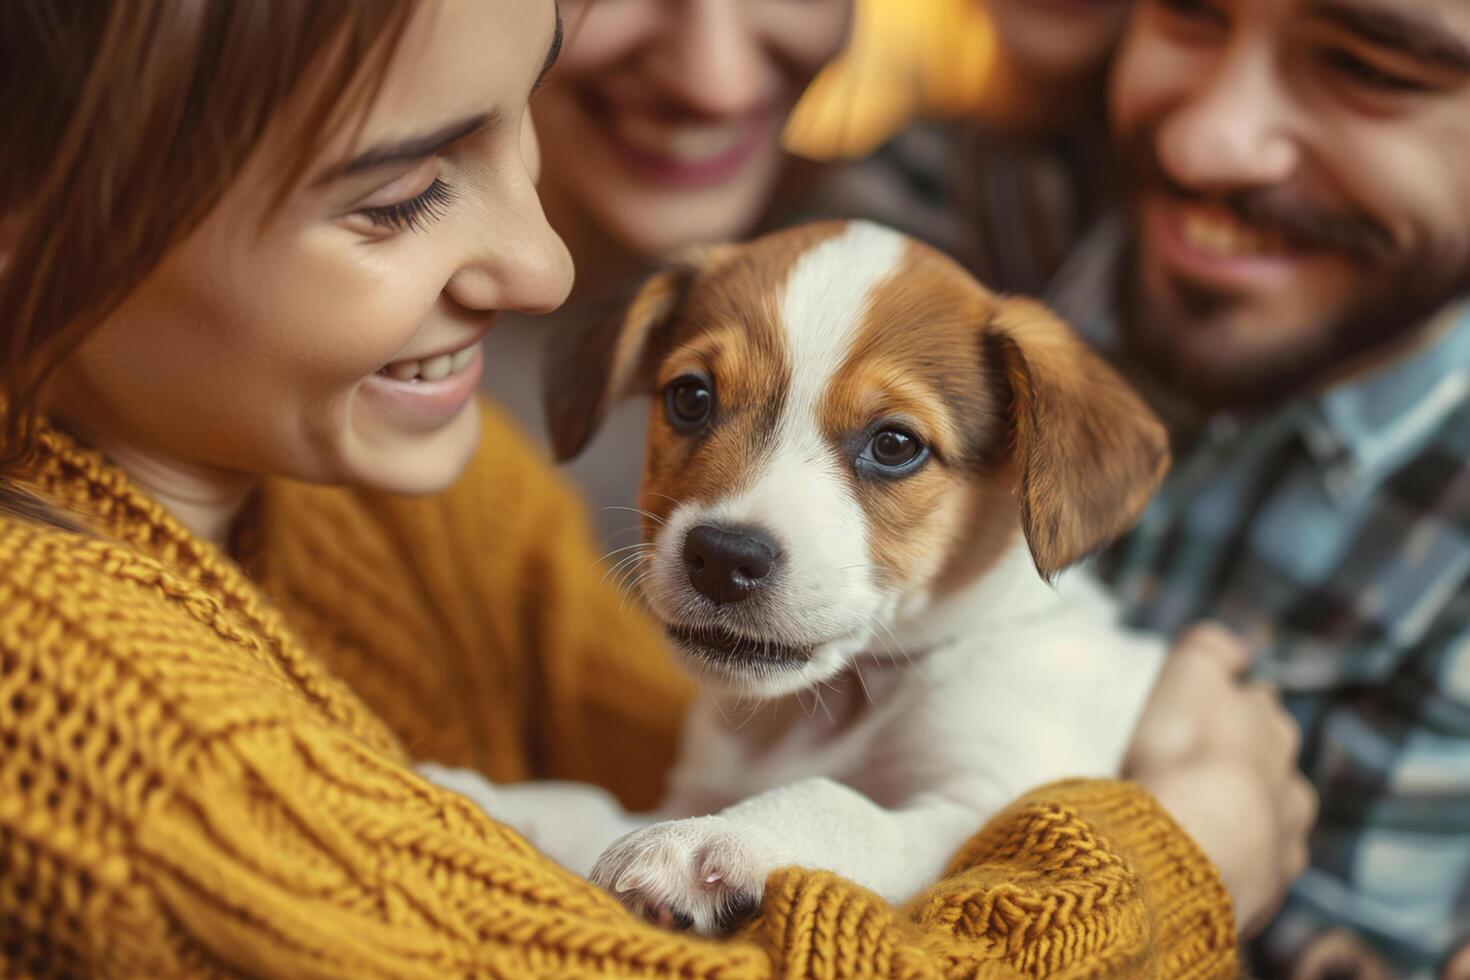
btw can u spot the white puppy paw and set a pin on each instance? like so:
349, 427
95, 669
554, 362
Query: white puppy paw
703, 874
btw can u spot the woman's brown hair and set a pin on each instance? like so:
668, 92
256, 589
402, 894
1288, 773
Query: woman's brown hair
124, 122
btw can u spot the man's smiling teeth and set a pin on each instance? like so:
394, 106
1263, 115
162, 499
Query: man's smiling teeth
1210, 230
431, 368
686, 143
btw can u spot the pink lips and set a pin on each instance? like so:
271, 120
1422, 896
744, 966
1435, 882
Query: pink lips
428, 404
670, 172
687, 176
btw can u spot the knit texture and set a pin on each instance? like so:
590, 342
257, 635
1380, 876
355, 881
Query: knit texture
203, 771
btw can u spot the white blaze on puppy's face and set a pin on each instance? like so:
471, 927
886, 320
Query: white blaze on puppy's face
802, 491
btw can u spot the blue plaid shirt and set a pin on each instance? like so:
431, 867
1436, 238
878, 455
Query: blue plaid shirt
1334, 535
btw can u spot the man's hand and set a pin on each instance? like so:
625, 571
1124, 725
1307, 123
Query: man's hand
1457, 967
1220, 755
1339, 954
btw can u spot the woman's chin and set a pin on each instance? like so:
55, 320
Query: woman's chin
413, 464
650, 220
653, 224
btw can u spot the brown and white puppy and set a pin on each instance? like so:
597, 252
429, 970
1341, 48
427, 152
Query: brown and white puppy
863, 472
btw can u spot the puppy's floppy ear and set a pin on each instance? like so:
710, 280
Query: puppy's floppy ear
587, 370
1087, 452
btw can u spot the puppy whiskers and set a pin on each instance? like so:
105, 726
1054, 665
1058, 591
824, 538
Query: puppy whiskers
630, 547
630, 529
858, 670
892, 658
626, 561
822, 703
631, 573
631, 593
755, 710
639, 510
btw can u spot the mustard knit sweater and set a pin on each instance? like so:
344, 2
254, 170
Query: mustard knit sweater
203, 767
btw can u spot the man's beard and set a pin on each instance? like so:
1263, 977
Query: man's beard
1266, 378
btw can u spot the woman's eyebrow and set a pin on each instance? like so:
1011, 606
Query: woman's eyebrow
413, 147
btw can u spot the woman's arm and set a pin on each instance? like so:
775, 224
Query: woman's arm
174, 802
609, 701
290, 849
497, 642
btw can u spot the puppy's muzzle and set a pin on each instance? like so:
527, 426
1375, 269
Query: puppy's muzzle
728, 565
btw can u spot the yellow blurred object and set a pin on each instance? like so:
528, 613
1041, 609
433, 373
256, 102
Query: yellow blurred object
908, 59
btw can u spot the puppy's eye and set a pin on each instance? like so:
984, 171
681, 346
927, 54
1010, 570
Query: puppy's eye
893, 452
894, 447
689, 403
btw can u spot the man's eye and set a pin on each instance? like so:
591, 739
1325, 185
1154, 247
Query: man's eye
414, 213
1360, 72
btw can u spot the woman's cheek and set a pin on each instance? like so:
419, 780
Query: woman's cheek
351, 318
811, 36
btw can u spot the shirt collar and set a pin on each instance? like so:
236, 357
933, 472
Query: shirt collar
1375, 421
1358, 431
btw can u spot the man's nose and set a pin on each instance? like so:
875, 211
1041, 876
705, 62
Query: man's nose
1233, 131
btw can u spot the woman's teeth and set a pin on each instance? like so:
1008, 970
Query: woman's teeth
431, 368
686, 143
1222, 235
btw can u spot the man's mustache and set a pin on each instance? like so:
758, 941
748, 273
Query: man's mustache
1301, 223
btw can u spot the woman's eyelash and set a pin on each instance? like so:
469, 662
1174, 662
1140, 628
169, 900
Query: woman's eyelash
415, 212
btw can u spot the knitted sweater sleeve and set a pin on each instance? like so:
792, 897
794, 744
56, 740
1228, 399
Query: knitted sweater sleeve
613, 700
544, 669
173, 805
183, 792
478, 623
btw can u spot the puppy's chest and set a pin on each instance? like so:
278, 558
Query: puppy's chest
982, 719
862, 734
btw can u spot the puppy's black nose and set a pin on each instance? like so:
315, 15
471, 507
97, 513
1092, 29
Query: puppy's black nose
728, 564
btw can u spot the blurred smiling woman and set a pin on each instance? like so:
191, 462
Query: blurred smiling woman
663, 127
261, 549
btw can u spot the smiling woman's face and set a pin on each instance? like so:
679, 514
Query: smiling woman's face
663, 126
337, 340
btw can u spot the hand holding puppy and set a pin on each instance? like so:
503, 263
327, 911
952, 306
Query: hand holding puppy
1219, 754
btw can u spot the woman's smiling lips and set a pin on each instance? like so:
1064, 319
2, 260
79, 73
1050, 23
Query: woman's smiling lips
429, 391
681, 152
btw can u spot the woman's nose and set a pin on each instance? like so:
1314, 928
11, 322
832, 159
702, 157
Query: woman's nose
539, 273
533, 278
519, 263
712, 59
